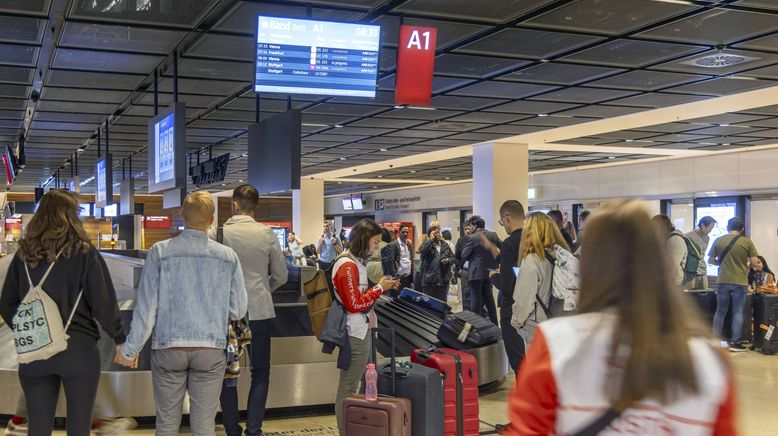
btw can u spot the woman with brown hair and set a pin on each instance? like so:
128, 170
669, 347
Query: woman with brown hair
349, 278
532, 294
79, 283
633, 360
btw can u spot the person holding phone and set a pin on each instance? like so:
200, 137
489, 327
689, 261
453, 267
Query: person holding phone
436, 258
328, 248
349, 277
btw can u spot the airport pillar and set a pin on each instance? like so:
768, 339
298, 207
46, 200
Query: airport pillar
308, 209
500, 173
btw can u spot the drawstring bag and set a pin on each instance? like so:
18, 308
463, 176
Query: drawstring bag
37, 326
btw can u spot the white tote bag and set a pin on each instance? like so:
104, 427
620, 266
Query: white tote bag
37, 326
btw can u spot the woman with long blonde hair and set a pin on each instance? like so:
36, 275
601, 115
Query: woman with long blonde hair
633, 360
532, 294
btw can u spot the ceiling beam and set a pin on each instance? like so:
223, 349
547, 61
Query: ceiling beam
687, 111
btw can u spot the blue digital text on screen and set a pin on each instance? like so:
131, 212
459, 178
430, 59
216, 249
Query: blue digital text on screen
164, 147
316, 57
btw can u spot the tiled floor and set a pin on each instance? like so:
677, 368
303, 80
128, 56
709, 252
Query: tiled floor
757, 383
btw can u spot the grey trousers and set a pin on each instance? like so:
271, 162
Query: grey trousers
351, 379
175, 372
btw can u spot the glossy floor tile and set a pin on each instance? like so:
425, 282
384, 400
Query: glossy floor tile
757, 385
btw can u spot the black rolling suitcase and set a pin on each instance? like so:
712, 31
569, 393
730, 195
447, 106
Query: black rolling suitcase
414, 328
748, 315
766, 322
466, 330
422, 385
704, 302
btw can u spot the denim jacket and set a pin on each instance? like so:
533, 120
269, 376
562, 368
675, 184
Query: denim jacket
190, 288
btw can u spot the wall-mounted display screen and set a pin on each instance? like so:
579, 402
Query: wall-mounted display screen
167, 144
347, 205
103, 182
316, 57
357, 202
86, 209
274, 152
111, 211
721, 212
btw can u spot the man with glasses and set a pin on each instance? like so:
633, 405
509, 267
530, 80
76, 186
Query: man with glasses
504, 279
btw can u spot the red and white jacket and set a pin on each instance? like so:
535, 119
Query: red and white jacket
350, 281
560, 386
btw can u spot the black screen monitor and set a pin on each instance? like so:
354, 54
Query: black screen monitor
274, 153
103, 182
167, 148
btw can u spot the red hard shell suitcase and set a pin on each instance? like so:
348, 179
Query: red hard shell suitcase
388, 416
460, 385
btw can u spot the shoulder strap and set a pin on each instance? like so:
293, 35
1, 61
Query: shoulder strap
73, 311
547, 309
729, 247
45, 275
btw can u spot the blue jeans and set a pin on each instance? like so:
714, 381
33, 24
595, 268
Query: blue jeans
738, 295
260, 383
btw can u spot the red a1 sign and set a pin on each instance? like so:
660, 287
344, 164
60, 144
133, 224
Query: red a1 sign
415, 65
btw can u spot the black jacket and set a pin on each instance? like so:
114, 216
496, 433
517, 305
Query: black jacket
69, 276
435, 266
390, 257
505, 281
480, 259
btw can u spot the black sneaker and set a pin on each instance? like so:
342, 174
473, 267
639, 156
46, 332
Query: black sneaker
737, 348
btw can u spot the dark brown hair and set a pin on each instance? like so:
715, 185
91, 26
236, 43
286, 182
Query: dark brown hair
54, 227
629, 273
247, 198
359, 238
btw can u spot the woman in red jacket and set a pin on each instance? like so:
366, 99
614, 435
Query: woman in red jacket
633, 360
349, 277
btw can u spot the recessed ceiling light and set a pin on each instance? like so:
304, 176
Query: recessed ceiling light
240, 181
343, 158
542, 115
448, 178
611, 157
380, 177
725, 143
340, 183
413, 171
724, 125
375, 187
399, 106
629, 140
315, 125
245, 154
422, 108
338, 126
224, 184
383, 149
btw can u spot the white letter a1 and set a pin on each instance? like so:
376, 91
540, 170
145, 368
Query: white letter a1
415, 40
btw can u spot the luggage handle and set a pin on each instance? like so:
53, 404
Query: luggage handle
392, 357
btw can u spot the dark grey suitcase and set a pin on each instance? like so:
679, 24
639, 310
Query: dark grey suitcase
424, 386
766, 322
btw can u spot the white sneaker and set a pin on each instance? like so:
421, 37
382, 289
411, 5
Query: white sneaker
19, 429
116, 426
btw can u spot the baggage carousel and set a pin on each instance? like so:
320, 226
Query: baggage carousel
300, 375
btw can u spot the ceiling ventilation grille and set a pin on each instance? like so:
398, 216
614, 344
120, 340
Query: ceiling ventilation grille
720, 60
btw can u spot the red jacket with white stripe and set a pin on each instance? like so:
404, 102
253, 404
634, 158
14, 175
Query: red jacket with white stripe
351, 284
560, 386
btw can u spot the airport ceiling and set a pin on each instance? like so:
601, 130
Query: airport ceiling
514, 67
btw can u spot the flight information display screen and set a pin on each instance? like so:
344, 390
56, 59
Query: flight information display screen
164, 149
101, 196
316, 57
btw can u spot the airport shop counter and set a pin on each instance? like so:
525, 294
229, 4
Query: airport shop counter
297, 363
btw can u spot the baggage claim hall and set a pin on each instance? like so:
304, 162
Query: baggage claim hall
389, 217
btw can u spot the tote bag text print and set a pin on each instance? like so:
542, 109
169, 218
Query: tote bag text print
31, 327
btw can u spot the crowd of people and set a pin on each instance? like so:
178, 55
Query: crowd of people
641, 349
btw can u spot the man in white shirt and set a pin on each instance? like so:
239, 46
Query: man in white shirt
398, 257
264, 270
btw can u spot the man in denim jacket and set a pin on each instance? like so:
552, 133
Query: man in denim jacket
190, 288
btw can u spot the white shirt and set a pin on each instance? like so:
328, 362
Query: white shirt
405, 260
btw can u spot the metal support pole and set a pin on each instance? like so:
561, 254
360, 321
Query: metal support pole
99, 130
175, 76
106, 136
156, 93
257, 112
288, 102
